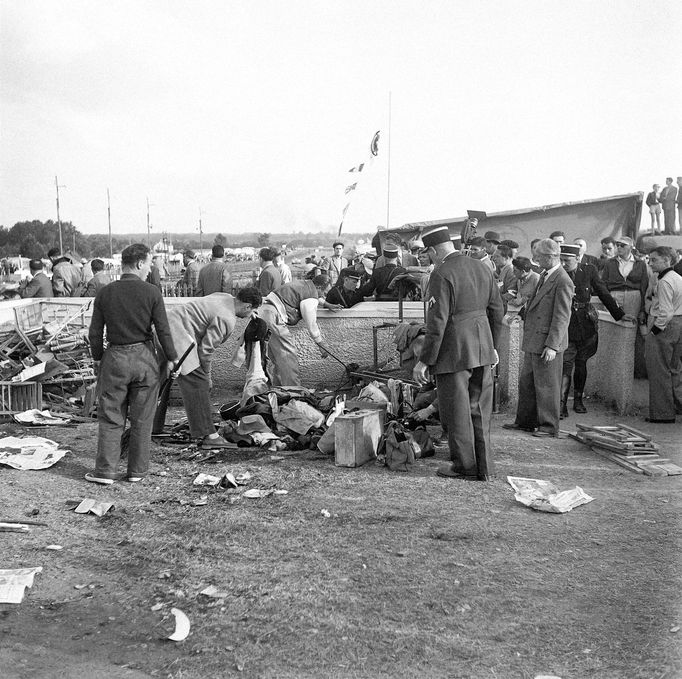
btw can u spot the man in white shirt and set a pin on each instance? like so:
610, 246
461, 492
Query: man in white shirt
663, 343
337, 262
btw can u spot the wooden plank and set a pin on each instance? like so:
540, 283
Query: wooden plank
653, 470
669, 468
614, 458
648, 437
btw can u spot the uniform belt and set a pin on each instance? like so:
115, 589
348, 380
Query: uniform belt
581, 305
132, 344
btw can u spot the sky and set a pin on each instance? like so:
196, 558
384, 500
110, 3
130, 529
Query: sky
250, 114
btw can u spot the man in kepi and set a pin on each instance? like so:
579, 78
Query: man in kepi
463, 324
128, 371
545, 338
208, 322
583, 334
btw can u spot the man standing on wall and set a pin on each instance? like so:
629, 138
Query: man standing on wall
545, 338
463, 324
669, 201
128, 371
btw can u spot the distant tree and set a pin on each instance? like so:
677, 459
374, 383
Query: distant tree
31, 248
220, 240
263, 239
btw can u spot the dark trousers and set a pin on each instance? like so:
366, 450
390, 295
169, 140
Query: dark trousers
663, 353
128, 384
575, 360
195, 388
465, 403
540, 393
669, 217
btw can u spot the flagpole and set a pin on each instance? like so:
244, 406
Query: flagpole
388, 182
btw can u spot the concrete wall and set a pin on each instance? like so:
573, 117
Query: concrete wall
348, 334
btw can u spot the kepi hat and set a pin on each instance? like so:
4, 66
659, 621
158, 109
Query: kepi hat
433, 235
570, 250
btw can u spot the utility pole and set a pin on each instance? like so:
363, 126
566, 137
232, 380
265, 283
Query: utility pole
201, 233
149, 228
59, 221
111, 247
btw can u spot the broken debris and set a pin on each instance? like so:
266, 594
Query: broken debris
546, 497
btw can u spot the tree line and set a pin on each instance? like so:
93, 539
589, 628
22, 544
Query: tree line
33, 239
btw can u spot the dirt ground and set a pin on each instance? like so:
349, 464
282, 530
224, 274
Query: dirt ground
353, 573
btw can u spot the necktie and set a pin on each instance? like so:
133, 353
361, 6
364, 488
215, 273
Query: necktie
543, 278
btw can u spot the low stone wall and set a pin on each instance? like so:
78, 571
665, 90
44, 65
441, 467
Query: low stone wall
349, 336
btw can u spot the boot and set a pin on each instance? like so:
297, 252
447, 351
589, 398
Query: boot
565, 388
578, 405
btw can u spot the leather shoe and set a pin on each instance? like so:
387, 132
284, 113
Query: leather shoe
516, 427
98, 479
447, 472
541, 434
653, 421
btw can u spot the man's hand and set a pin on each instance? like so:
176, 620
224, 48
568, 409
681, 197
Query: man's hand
548, 354
420, 373
421, 415
497, 358
95, 368
333, 307
628, 318
323, 351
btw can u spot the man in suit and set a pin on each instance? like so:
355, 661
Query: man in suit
214, 276
207, 322
463, 326
39, 285
679, 200
190, 277
99, 279
337, 262
545, 338
583, 334
669, 201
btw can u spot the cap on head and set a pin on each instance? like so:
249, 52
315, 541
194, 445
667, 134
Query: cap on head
355, 275
492, 237
625, 239
390, 250
189, 254
434, 235
416, 244
570, 250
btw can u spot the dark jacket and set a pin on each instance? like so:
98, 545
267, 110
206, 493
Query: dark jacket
381, 279
39, 286
637, 279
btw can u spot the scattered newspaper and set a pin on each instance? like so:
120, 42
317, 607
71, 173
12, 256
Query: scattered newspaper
546, 497
30, 452
14, 581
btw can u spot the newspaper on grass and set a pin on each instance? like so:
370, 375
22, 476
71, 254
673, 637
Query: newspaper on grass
40, 417
546, 497
13, 582
30, 452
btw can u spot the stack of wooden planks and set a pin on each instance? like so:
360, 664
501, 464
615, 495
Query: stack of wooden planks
627, 447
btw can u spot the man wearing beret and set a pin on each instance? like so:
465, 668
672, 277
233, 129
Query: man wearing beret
583, 327
349, 292
545, 338
463, 325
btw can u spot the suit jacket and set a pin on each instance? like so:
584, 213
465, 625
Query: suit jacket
465, 316
96, 283
548, 313
207, 322
213, 277
668, 196
39, 286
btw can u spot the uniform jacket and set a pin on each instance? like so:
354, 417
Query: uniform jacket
464, 318
587, 283
207, 322
548, 313
381, 279
39, 286
213, 277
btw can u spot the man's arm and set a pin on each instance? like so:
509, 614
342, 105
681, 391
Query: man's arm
666, 309
226, 283
217, 332
160, 321
30, 289
96, 331
495, 313
440, 305
561, 313
58, 282
597, 287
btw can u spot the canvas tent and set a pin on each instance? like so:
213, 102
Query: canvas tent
590, 219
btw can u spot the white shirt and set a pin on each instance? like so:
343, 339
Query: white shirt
625, 265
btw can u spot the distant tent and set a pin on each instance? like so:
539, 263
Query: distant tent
591, 219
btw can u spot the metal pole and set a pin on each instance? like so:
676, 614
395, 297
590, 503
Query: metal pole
59, 221
149, 228
201, 234
388, 181
111, 247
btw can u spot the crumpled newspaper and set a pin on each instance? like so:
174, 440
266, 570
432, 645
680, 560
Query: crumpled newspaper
35, 416
14, 581
30, 452
545, 496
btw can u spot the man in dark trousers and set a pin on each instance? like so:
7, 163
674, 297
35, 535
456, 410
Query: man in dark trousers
583, 334
128, 371
545, 338
39, 285
669, 202
214, 276
380, 283
463, 324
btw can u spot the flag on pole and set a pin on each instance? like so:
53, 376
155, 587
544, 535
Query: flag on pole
351, 187
374, 146
358, 168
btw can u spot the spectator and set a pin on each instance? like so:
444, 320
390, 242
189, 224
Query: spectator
654, 204
558, 236
380, 282
349, 292
283, 267
583, 257
534, 265
39, 285
679, 200
669, 201
626, 278
214, 276
99, 279
270, 278
545, 338
66, 276
608, 251
406, 257
477, 249
492, 240
663, 343
190, 276
525, 282
336, 263
502, 258
512, 245
154, 276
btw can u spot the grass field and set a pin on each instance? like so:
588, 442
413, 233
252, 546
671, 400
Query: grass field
353, 573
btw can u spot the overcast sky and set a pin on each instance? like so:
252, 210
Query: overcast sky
254, 111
